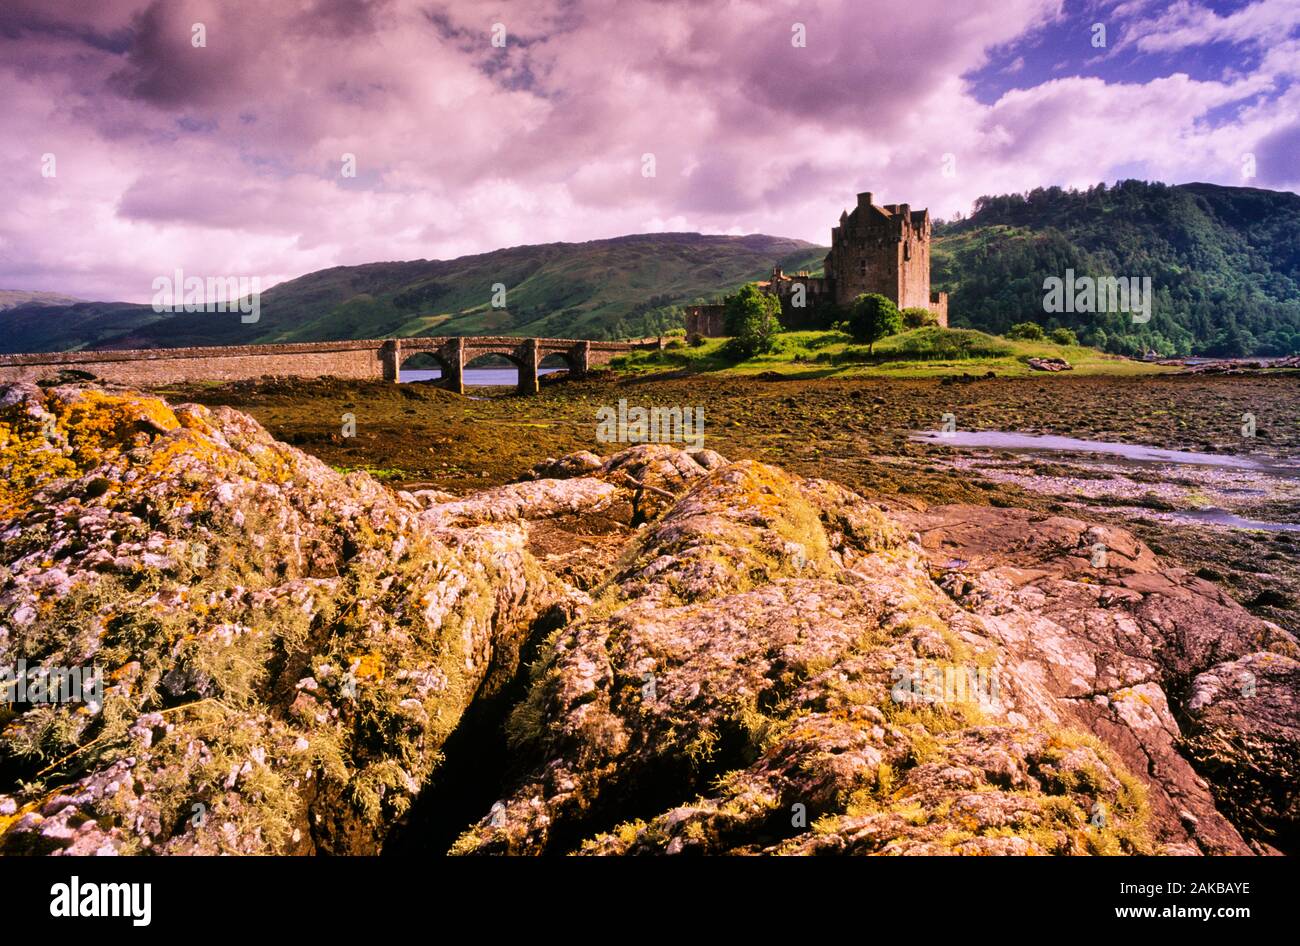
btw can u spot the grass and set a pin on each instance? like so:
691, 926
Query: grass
383, 474
918, 353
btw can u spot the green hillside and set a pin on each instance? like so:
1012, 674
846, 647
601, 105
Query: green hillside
1224, 264
917, 353
624, 287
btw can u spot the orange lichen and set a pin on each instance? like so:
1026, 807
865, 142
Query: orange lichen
27, 459
67, 434
97, 423
368, 665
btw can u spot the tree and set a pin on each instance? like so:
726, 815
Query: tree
1096, 337
750, 317
1027, 332
874, 317
1230, 342
1064, 336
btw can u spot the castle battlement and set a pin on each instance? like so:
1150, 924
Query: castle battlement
884, 249
876, 248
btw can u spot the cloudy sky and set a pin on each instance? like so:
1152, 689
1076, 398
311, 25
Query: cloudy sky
227, 158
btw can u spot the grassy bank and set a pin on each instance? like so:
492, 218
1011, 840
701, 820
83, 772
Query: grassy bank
919, 353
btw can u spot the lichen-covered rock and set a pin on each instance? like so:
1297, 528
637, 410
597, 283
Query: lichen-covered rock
1113, 638
740, 682
283, 648
535, 499
1243, 732
656, 474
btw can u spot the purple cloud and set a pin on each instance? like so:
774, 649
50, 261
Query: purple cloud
230, 157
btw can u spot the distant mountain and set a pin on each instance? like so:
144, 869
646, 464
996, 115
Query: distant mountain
1224, 264
623, 287
9, 298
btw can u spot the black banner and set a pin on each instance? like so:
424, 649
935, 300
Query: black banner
198, 897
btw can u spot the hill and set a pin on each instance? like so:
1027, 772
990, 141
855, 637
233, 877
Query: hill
1224, 264
918, 353
10, 298
622, 287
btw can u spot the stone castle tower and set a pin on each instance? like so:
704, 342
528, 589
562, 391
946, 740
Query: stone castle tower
884, 249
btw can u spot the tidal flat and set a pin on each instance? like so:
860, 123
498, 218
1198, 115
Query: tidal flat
860, 432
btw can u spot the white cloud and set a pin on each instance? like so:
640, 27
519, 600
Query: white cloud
462, 149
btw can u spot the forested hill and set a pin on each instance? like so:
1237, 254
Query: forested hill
1224, 264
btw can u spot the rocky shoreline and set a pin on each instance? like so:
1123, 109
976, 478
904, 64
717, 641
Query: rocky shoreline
680, 652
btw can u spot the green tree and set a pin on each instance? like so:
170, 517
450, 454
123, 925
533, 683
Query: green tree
1096, 337
1027, 332
1230, 342
1063, 336
751, 319
874, 317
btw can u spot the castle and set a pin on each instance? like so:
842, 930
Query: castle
883, 249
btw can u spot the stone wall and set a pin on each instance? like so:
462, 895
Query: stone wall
705, 320
914, 263
939, 306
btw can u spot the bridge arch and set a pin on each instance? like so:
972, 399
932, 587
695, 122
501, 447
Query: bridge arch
503, 362
474, 357
412, 364
560, 360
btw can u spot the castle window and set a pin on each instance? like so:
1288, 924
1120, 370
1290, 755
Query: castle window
862, 268
907, 250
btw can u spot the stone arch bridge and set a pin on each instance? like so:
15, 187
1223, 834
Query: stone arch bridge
369, 359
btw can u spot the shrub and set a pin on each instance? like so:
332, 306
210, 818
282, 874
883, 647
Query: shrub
874, 317
1063, 336
1027, 332
916, 317
750, 318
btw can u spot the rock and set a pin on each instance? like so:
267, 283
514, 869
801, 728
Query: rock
215, 569
1090, 615
655, 474
1243, 732
575, 464
534, 499
747, 665
1049, 364
963, 378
